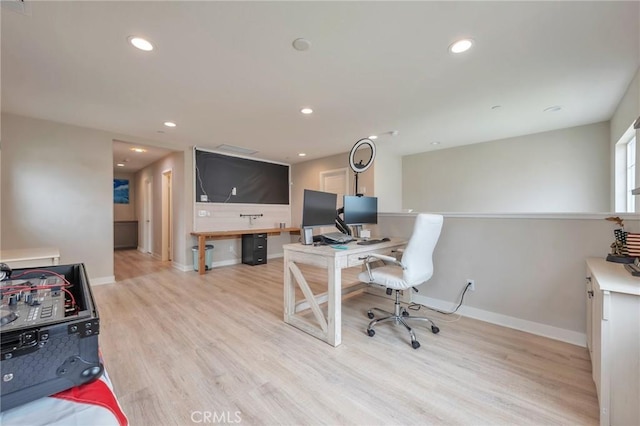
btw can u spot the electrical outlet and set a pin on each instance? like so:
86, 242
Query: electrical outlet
471, 284
202, 213
233, 191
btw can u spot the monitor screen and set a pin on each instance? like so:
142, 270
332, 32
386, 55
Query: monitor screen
360, 210
318, 208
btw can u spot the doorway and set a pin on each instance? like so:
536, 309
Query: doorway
147, 215
167, 216
337, 182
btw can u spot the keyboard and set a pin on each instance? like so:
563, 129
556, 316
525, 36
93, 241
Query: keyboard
368, 242
337, 237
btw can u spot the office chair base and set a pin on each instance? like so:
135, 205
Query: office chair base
399, 316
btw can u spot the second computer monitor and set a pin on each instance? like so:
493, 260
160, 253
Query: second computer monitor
360, 210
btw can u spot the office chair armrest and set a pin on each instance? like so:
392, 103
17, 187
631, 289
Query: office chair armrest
375, 257
387, 259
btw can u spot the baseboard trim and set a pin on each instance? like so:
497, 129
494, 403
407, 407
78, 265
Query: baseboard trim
102, 280
230, 262
180, 267
564, 335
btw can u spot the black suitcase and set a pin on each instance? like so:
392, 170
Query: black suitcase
49, 329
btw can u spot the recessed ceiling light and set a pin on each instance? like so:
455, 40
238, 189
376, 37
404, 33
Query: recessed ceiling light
435, 143
553, 108
461, 46
306, 110
170, 124
301, 44
302, 154
120, 165
373, 137
138, 150
140, 43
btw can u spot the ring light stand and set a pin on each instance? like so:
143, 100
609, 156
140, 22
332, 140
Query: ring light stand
361, 166
365, 147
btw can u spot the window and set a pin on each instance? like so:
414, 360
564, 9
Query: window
625, 171
631, 174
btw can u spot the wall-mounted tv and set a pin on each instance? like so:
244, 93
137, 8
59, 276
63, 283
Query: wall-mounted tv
255, 182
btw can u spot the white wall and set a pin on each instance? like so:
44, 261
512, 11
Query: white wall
529, 270
388, 179
57, 191
559, 171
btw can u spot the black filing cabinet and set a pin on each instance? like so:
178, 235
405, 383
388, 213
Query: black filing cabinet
254, 249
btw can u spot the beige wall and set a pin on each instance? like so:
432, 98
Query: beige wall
628, 109
565, 170
181, 202
126, 211
529, 270
306, 175
626, 113
57, 191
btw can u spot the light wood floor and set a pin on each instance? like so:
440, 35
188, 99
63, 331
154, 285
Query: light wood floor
178, 346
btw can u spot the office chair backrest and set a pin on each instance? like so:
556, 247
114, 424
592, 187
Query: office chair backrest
418, 255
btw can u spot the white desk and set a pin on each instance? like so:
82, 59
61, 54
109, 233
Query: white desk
333, 260
30, 258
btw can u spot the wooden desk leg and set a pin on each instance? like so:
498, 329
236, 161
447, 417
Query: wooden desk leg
201, 244
334, 308
289, 291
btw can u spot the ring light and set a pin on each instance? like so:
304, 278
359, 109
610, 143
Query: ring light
362, 144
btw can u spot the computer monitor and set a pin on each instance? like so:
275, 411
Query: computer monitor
318, 208
360, 210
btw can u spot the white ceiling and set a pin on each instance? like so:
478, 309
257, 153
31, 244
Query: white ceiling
226, 72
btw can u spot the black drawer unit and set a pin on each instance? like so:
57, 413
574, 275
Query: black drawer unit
254, 249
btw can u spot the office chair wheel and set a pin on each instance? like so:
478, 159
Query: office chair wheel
415, 344
371, 333
370, 314
435, 329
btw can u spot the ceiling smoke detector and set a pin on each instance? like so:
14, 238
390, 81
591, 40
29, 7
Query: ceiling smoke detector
301, 44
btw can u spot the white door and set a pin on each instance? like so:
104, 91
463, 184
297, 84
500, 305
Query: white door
147, 236
337, 182
167, 225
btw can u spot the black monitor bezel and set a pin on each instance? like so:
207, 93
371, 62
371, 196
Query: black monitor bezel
352, 217
312, 216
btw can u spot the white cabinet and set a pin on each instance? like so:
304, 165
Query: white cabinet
613, 338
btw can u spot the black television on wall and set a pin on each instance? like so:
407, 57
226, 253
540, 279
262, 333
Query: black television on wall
255, 181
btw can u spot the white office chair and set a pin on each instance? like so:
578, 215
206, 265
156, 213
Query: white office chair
415, 268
